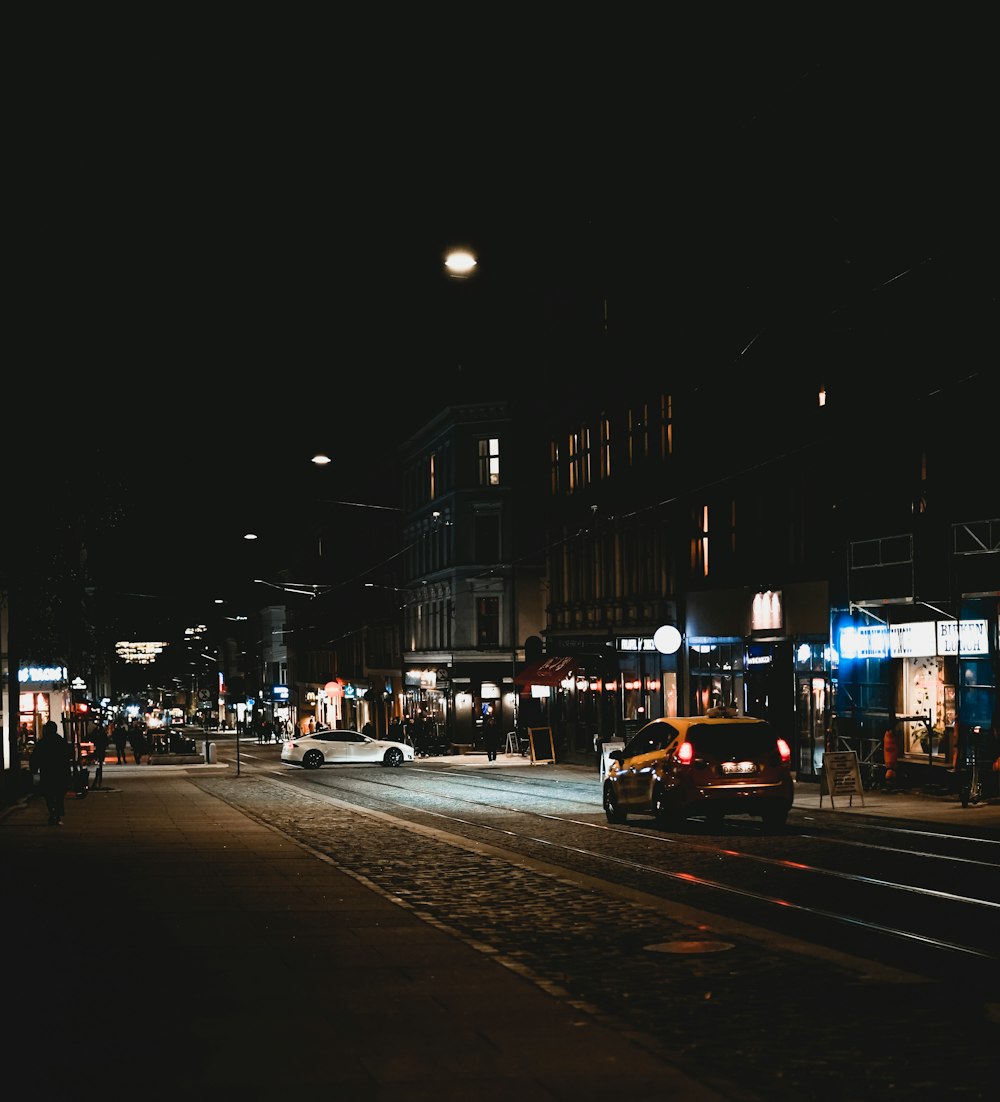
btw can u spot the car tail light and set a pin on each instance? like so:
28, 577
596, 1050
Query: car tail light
785, 751
685, 753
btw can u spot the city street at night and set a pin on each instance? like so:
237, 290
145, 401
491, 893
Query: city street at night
500, 581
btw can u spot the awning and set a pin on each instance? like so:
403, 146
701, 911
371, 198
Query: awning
550, 671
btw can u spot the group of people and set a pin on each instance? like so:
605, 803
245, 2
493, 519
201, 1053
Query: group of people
126, 736
270, 730
423, 734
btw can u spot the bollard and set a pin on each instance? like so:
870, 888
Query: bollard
210, 753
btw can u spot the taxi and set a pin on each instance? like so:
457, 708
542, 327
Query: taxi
713, 765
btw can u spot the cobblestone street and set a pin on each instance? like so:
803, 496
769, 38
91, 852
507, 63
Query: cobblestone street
779, 1021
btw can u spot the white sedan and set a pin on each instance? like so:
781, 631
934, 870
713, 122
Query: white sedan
343, 748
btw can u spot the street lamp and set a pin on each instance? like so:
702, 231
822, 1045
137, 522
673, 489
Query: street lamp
460, 263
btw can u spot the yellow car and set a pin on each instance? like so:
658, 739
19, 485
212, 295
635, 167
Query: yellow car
713, 765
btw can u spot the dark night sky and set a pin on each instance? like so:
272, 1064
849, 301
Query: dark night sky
235, 272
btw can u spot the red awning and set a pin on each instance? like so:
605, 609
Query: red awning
550, 671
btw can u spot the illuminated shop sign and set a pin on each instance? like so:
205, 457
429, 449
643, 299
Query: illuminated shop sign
966, 637
920, 640
765, 612
636, 643
279, 692
36, 674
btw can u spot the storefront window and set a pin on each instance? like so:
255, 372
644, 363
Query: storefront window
716, 674
976, 692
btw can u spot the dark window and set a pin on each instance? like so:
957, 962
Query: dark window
488, 622
487, 534
738, 741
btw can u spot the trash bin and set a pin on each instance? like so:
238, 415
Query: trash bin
210, 753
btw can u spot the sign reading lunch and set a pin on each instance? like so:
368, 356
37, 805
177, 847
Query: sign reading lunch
962, 637
917, 640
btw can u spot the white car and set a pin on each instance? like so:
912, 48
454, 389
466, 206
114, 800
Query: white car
342, 748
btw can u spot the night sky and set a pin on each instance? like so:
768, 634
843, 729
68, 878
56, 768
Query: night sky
233, 273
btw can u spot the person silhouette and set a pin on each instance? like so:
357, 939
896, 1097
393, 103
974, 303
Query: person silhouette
52, 760
491, 737
121, 741
100, 753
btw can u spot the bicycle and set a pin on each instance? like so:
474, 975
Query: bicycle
970, 788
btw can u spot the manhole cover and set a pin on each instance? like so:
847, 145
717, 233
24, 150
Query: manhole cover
689, 947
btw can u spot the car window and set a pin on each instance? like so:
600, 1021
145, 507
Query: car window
731, 741
647, 742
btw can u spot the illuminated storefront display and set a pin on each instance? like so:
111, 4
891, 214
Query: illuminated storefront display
919, 677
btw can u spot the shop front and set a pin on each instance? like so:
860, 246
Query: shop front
921, 680
425, 703
644, 686
598, 691
44, 694
767, 654
545, 688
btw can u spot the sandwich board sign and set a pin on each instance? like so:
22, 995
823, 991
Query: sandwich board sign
841, 777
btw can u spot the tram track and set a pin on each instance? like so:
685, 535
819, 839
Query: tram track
663, 864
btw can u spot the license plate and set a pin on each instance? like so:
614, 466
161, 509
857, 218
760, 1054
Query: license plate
739, 767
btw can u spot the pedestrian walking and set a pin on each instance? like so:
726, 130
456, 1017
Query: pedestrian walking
491, 737
100, 753
52, 760
121, 741
137, 740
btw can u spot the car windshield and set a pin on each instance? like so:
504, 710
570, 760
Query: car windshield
731, 740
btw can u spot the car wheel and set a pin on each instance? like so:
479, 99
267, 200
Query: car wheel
393, 756
614, 812
312, 759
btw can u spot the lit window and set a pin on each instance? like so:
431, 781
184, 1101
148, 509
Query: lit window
489, 462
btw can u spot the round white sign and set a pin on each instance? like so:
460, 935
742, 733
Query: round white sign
667, 639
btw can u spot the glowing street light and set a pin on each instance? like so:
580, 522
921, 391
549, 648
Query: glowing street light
461, 263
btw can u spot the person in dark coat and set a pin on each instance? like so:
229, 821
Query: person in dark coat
100, 751
491, 737
137, 740
52, 760
100, 743
121, 741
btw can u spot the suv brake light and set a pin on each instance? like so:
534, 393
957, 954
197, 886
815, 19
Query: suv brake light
785, 751
685, 753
